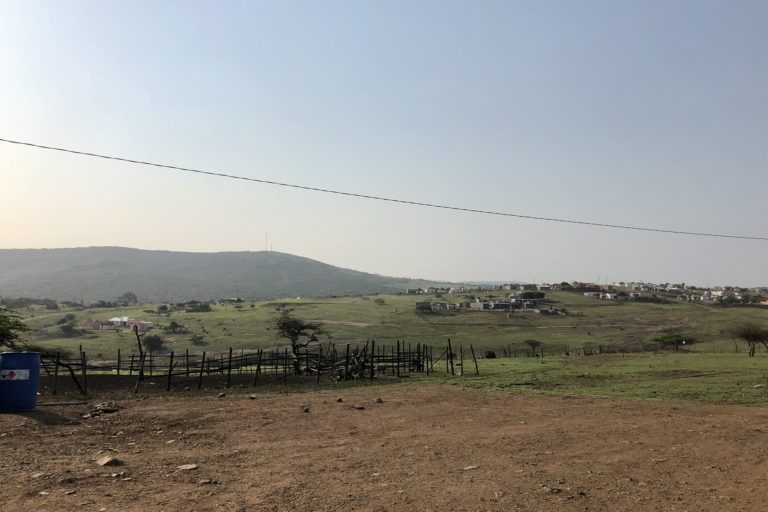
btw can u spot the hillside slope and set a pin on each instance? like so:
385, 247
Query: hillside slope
104, 273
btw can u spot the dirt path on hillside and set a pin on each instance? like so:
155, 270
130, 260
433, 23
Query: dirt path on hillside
438, 447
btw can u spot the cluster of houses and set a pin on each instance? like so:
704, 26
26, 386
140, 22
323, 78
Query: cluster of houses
501, 304
679, 291
118, 322
617, 291
436, 291
486, 287
517, 301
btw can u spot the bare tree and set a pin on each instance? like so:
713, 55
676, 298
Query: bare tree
299, 332
753, 335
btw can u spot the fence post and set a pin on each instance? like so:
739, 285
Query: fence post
285, 366
170, 373
373, 358
202, 368
186, 357
409, 357
398, 358
84, 364
229, 368
118, 362
477, 370
130, 369
141, 372
258, 367
450, 356
319, 360
346, 364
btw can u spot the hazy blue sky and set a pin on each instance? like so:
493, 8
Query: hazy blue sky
652, 113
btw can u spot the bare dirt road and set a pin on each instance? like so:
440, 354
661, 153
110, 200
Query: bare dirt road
435, 447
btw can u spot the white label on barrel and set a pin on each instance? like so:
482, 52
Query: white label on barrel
14, 374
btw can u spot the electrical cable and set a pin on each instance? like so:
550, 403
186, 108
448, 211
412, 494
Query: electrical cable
387, 199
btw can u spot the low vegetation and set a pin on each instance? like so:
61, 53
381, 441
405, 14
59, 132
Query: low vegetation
676, 350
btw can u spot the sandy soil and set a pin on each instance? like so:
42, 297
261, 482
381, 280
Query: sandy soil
437, 447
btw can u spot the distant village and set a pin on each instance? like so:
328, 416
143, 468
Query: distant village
521, 297
532, 297
118, 322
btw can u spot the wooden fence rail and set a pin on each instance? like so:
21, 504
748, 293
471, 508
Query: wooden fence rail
352, 362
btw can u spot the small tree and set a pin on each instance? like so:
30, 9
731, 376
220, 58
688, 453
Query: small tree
70, 331
11, 328
299, 332
534, 344
153, 342
127, 299
175, 327
198, 340
675, 340
753, 335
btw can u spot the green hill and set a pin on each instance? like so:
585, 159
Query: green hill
103, 273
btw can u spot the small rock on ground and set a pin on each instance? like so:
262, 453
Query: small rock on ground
108, 460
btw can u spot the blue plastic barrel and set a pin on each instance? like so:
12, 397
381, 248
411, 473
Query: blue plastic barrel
19, 377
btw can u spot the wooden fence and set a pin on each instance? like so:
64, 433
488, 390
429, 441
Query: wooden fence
348, 362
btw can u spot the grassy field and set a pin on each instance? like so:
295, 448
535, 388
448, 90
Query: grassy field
707, 377
716, 369
354, 320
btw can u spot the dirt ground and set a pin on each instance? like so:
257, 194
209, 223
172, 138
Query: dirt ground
435, 447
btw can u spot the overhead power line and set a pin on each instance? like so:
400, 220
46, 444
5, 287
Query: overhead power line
387, 199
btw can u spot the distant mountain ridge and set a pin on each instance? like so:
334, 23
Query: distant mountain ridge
89, 274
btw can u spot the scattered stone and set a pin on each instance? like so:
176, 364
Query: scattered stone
43, 493
358, 407
251, 397
339, 399
69, 493
104, 408
378, 401
108, 460
756, 386
187, 467
68, 480
305, 408
205, 481
37, 475
473, 466
221, 395
187, 388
